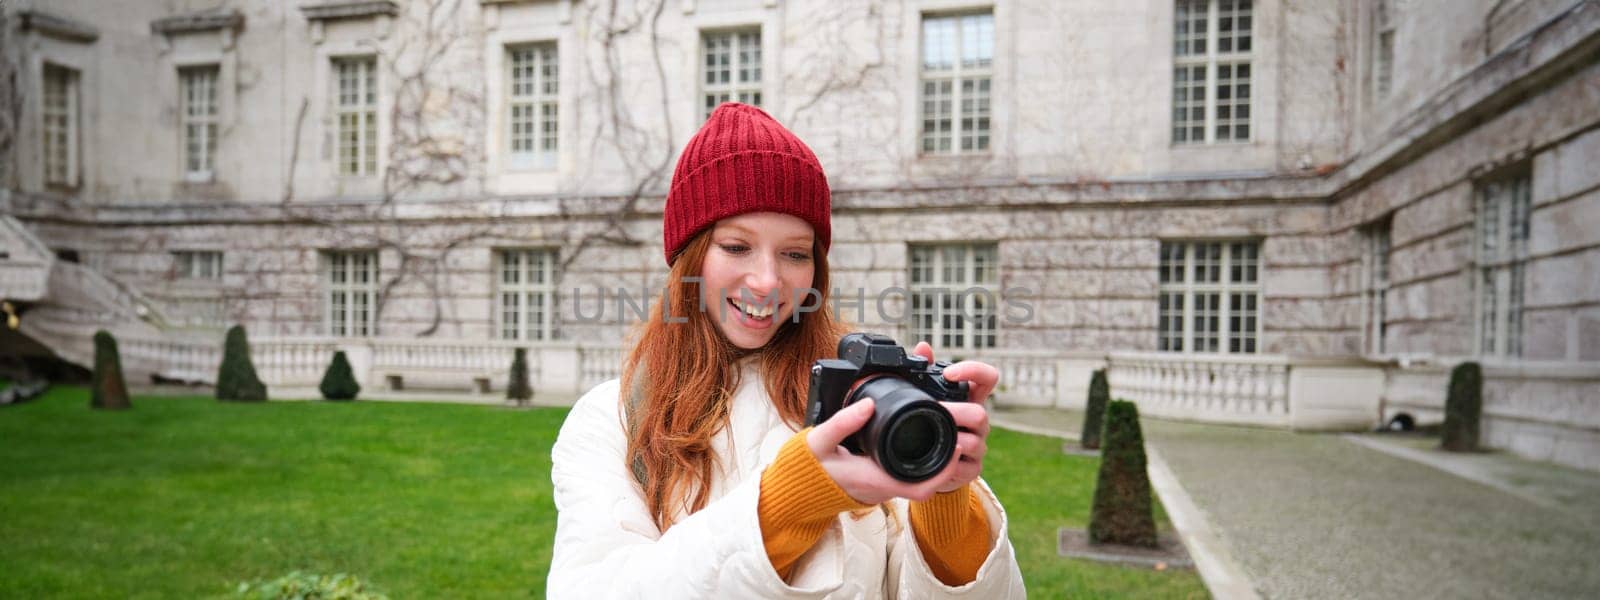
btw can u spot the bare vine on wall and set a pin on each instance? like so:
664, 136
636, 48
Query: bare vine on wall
432, 151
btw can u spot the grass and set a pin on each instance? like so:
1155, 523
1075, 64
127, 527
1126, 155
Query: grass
1043, 490
188, 497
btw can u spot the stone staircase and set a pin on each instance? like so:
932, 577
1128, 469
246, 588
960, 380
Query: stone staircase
64, 303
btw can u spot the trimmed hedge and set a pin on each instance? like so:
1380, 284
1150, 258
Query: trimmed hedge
519, 389
236, 378
1123, 512
109, 391
1463, 408
339, 381
1094, 410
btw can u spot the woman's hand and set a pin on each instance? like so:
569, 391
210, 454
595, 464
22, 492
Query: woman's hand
867, 483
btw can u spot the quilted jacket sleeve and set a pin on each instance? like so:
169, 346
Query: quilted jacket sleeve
607, 546
909, 576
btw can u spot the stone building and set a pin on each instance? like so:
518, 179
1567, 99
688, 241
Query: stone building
1292, 214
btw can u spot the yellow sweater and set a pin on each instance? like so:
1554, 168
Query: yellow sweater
799, 500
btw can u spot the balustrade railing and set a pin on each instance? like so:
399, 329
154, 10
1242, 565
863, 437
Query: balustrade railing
1234, 389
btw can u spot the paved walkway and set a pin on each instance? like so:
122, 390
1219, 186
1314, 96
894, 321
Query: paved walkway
1379, 516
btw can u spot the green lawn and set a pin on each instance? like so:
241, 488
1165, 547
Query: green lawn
187, 497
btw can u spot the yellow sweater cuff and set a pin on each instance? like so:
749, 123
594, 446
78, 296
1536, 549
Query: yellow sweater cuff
952, 530
797, 503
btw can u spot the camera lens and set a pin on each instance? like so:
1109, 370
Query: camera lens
910, 435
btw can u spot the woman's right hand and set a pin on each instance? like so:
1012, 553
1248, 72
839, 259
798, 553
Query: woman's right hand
860, 476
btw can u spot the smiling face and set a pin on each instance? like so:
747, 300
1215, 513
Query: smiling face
753, 268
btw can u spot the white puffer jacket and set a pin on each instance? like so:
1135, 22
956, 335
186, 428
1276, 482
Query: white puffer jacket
607, 546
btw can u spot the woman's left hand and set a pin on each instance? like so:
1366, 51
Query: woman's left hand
972, 417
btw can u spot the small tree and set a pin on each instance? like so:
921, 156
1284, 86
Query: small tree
109, 391
1463, 408
339, 381
518, 388
1122, 512
1095, 410
236, 378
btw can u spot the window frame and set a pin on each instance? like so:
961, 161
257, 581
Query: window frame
981, 76
1212, 61
349, 326
1384, 33
524, 290
1188, 288
197, 265
1499, 328
543, 129
367, 150
711, 95
973, 336
1377, 250
67, 173
207, 123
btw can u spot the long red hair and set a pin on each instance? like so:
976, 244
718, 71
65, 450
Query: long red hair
692, 375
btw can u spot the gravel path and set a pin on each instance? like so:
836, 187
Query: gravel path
1320, 516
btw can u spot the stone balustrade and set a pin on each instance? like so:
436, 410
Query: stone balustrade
1272, 391
1226, 389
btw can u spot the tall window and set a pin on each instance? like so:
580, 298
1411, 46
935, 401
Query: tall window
526, 294
1375, 288
357, 109
1210, 297
198, 264
1502, 257
60, 112
957, 71
1382, 47
954, 295
199, 121
352, 284
535, 86
732, 61
1211, 71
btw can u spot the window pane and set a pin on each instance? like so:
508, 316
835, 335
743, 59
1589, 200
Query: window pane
938, 43
977, 41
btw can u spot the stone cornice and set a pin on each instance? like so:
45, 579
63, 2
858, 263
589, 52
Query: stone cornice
57, 26
211, 20
1544, 55
349, 9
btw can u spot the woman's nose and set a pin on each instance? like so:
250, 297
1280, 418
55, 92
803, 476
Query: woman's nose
762, 279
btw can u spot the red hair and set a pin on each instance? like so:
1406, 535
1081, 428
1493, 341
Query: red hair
692, 374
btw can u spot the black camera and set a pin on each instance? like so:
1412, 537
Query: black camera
911, 435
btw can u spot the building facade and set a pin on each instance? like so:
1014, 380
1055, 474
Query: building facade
1283, 213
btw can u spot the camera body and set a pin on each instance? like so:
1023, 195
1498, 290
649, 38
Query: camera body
910, 434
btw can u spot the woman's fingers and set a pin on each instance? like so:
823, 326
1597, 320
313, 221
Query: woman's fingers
924, 350
971, 447
970, 416
981, 377
827, 435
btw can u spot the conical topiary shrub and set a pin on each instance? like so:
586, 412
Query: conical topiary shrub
236, 378
1122, 512
339, 381
109, 391
1094, 411
1463, 408
518, 388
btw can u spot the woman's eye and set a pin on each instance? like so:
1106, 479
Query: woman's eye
800, 256
735, 248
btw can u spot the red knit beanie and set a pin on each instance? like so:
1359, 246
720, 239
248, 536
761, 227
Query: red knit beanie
743, 161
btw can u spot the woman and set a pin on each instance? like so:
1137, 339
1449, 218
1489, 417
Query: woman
688, 477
